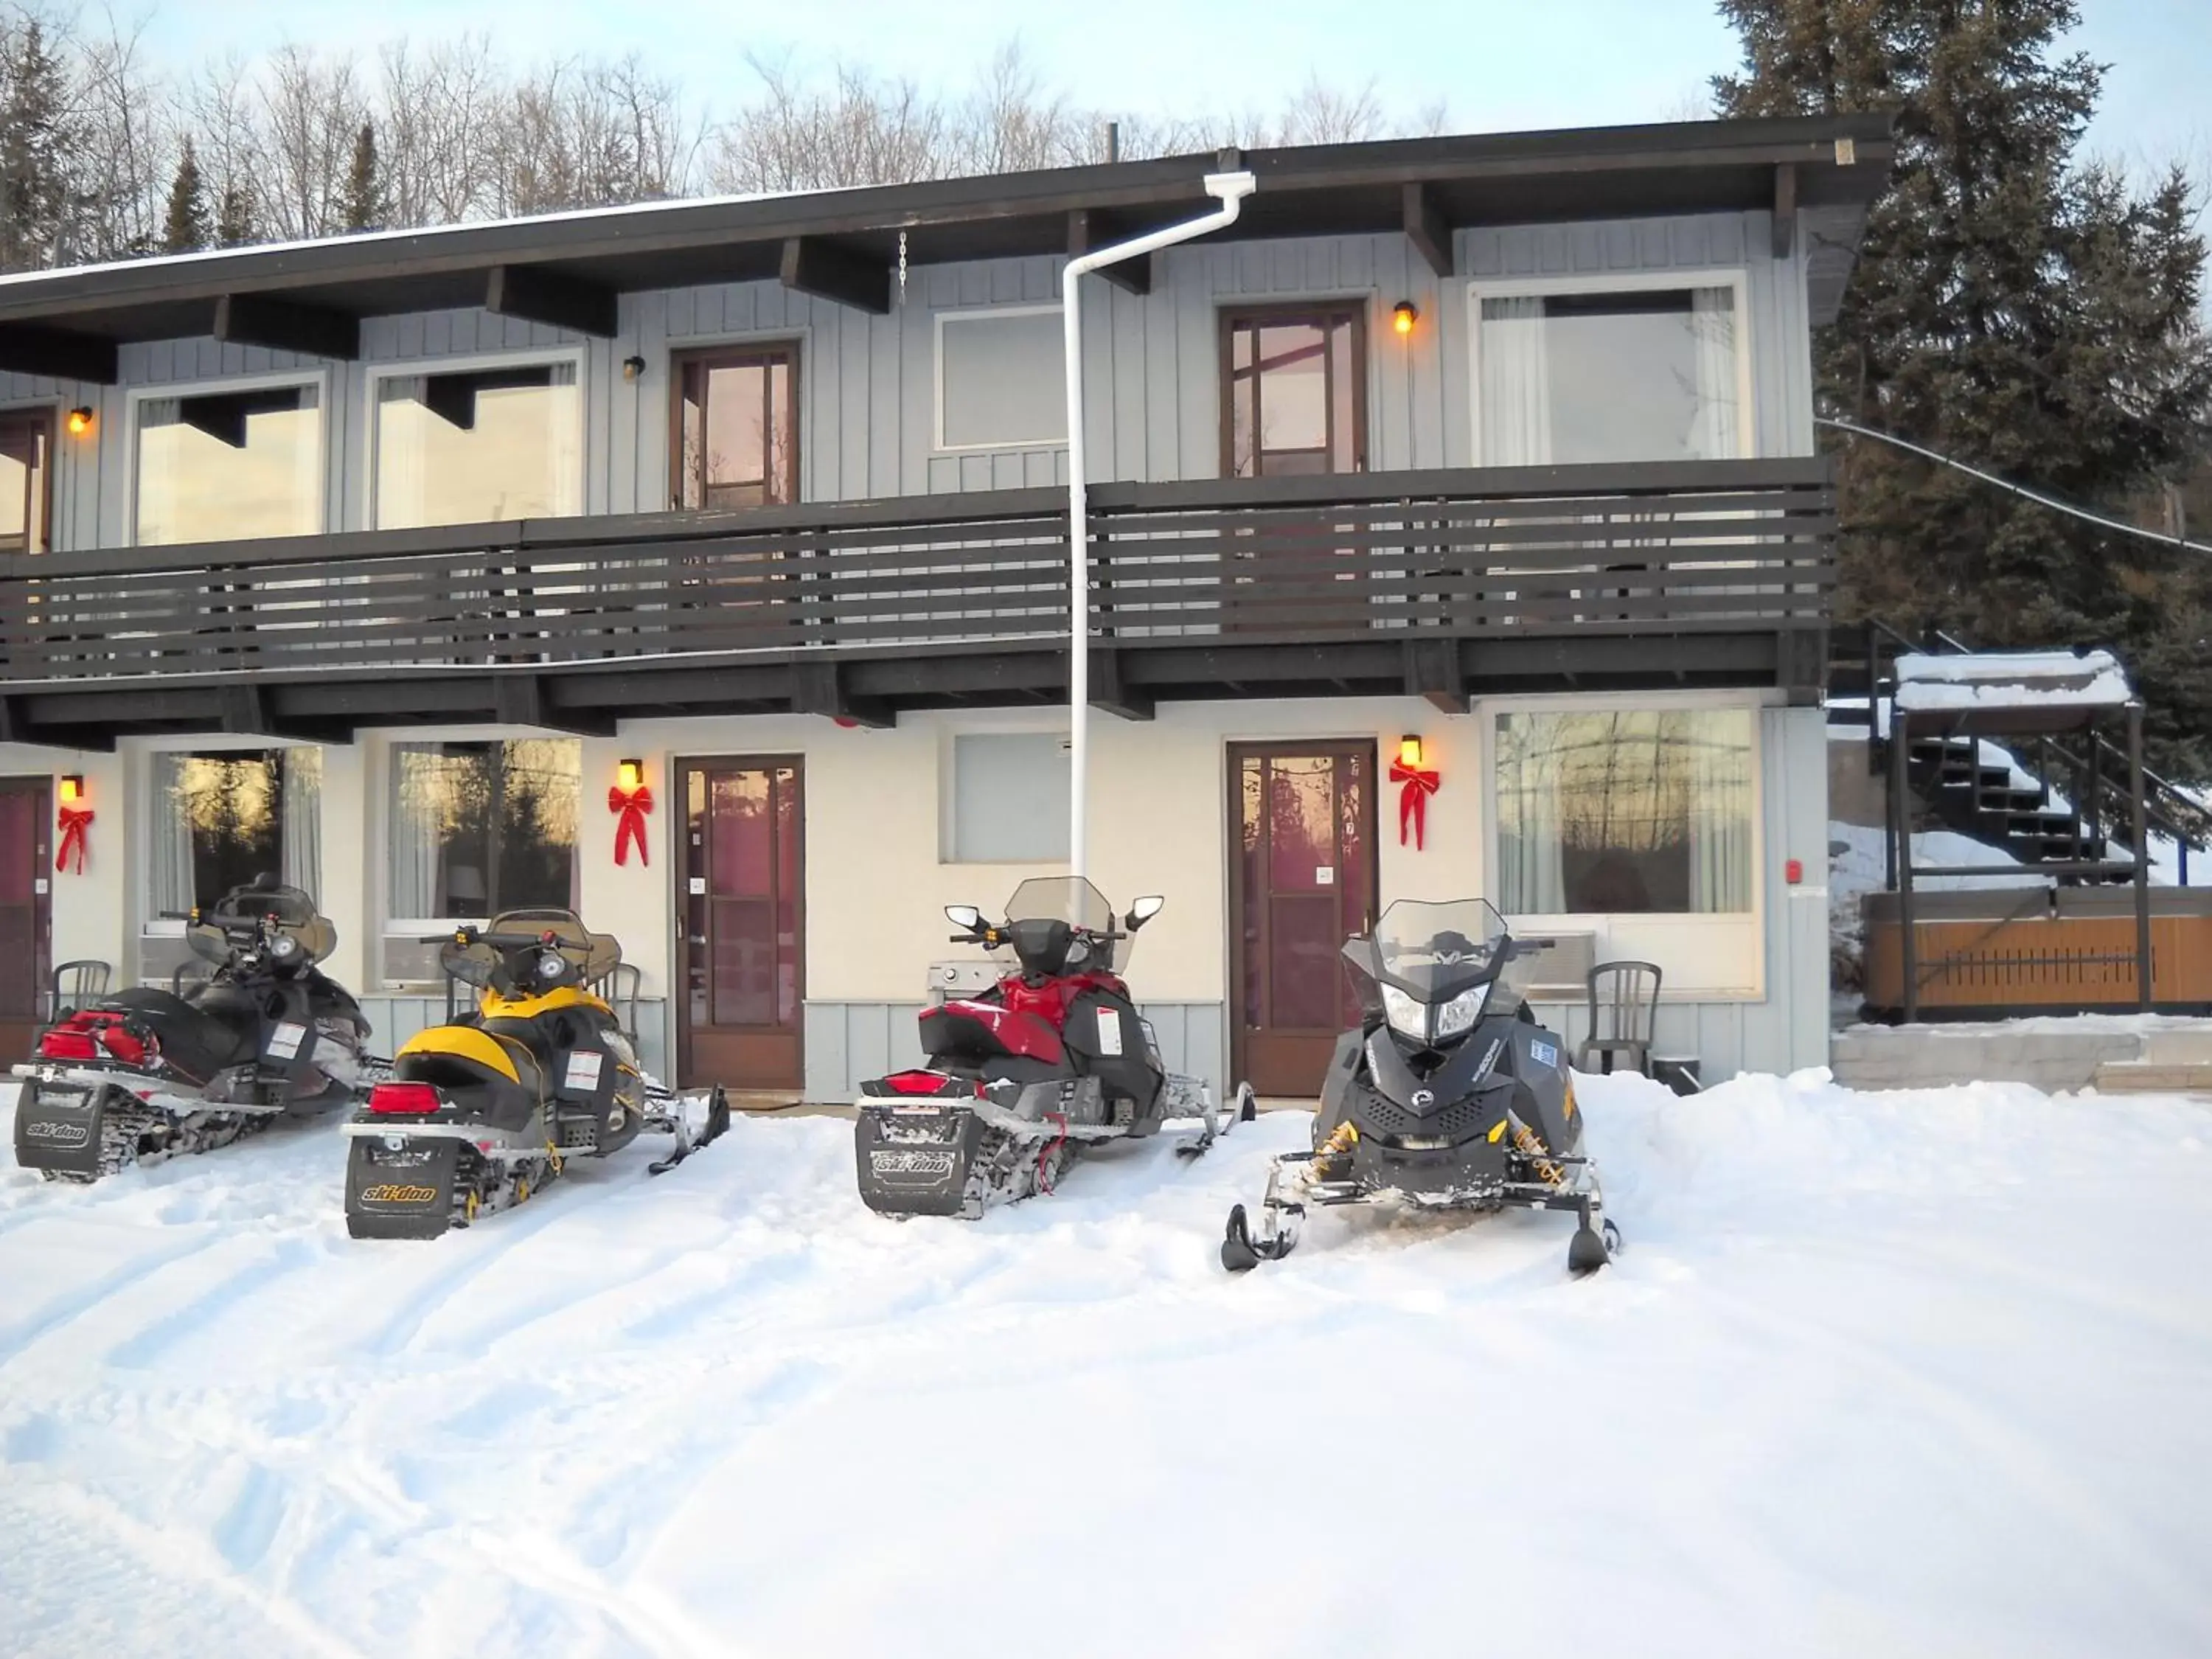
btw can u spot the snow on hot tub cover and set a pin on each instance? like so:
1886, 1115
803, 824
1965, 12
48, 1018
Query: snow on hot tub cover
2012, 679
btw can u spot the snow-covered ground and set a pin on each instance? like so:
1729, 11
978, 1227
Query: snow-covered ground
1910, 1374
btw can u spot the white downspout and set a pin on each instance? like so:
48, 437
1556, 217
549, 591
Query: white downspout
1230, 189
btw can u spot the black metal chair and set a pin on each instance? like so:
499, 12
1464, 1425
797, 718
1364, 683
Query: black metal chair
621, 986
74, 984
1623, 1007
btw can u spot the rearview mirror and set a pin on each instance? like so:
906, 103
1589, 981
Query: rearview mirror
1143, 911
964, 915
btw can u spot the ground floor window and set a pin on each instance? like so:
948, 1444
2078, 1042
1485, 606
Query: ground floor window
1625, 811
1010, 802
221, 820
479, 828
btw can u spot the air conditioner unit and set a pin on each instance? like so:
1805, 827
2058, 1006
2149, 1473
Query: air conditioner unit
961, 979
1560, 971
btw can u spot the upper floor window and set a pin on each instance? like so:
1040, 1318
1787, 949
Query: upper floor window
27, 447
473, 446
223, 819
1616, 374
737, 427
1624, 812
1001, 378
230, 465
1294, 393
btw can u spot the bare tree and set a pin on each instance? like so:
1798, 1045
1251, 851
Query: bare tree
311, 110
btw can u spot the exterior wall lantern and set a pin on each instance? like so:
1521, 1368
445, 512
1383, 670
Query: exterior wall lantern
80, 419
1404, 315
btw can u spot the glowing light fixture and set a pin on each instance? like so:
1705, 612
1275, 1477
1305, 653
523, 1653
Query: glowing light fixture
1404, 315
629, 774
1409, 751
72, 788
80, 421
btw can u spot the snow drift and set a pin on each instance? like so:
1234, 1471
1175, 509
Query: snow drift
1912, 1373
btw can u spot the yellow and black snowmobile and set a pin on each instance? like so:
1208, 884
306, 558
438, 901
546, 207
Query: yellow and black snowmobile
481, 1113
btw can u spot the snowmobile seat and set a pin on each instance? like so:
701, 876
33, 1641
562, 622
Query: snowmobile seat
218, 1028
984, 1031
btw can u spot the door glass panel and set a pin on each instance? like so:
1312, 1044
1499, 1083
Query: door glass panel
1293, 390
787, 890
1302, 833
737, 421
1252, 774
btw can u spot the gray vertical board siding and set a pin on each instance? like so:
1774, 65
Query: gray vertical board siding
868, 383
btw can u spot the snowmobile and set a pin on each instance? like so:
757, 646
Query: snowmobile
479, 1113
1447, 1097
1020, 1080
147, 1073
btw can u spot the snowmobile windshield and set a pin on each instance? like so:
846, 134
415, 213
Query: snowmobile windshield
1431, 952
243, 909
485, 960
1060, 924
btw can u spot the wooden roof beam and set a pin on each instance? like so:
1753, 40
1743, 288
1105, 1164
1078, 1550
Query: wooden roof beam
1785, 208
1087, 229
827, 271
287, 325
1427, 229
57, 354
536, 295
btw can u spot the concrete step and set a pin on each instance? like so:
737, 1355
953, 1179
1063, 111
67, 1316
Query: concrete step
2143, 1076
2178, 1045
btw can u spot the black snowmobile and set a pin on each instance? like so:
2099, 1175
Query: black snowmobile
1020, 1080
480, 1113
1448, 1096
147, 1073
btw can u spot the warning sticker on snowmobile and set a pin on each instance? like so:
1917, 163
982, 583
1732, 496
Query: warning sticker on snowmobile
284, 1041
583, 1071
1543, 1054
1109, 1031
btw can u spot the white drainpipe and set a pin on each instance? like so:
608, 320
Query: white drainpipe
1231, 188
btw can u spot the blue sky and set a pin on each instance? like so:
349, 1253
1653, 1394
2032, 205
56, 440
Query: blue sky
1495, 63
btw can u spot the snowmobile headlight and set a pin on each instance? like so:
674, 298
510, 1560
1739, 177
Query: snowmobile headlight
1457, 1017
1408, 1016
552, 964
283, 946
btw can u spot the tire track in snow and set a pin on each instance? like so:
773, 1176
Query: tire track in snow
17, 1339
158, 1336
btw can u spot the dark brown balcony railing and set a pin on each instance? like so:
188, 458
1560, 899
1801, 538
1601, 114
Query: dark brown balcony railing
1626, 549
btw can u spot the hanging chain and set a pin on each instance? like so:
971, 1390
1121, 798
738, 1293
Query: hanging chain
902, 267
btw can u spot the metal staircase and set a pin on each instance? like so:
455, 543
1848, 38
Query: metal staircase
2059, 799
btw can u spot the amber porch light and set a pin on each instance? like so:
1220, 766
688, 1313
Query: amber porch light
1404, 315
80, 421
72, 788
629, 774
1409, 751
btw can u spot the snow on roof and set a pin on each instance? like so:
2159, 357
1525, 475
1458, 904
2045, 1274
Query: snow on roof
2014, 679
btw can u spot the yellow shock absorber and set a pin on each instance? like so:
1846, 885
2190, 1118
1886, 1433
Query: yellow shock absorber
1341, 1140
1530, 1145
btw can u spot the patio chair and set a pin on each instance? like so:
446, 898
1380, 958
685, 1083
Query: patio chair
1623, 1006
621, 986
75, 984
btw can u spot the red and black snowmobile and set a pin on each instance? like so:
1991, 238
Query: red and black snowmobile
1020, 1080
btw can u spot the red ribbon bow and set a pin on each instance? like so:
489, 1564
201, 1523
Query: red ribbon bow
75, 820
1419, 783
633, 804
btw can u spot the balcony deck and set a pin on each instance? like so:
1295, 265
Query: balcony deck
1447, 583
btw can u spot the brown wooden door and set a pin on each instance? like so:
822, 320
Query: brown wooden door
26, 911
1302, 880
740, 892
1294, 390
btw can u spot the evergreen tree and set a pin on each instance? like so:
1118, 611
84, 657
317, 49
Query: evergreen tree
35, 195
187, 228
364, 207
235, 225
2015, 309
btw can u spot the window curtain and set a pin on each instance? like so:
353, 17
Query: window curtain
1717, 434
414, 832
1530, 834
301, 819
1719, 811
1516, 388
170, 825
398, 483
565, 410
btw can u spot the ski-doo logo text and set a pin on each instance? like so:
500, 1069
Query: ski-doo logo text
61, 1134
388, 1193
937, 1164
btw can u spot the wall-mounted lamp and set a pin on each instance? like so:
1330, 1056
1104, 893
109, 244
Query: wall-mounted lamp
629, 774
72, 788
1409, 751
632, 368
80, 421
1404, 315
